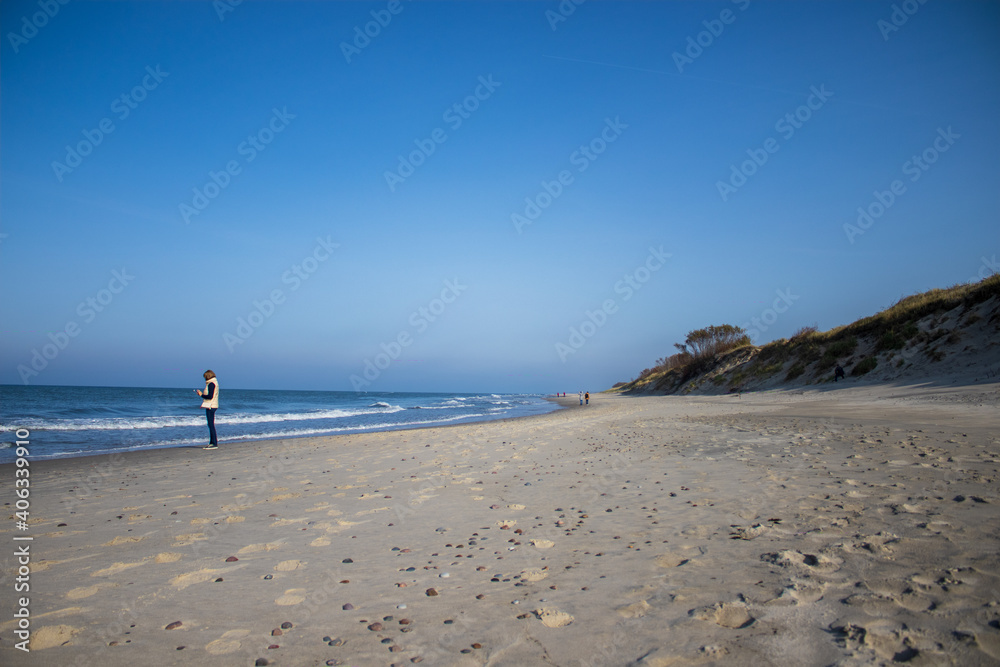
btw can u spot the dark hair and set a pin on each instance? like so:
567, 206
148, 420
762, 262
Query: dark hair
208, 375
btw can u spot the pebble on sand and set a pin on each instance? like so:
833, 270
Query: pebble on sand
174, 625
431, 592
348, 607
232, 559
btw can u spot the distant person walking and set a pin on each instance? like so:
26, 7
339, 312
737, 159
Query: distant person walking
581, 398
586, 397
210, 401
838, 373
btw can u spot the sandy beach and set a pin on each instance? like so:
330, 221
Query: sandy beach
840, 526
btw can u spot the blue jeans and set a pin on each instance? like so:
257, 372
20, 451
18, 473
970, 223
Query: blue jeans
210, 415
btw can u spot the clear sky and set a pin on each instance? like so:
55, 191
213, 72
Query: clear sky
470, 183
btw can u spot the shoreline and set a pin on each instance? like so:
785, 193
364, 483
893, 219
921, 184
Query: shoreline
224, 443
781, 529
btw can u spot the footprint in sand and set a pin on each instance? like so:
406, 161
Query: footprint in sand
553, 618
635, 610
86, 591
515, 507
534, 575
265, 546
182, 581
167, 557
188, 538
227, 643
115, 569
803, 591
278, 523
509, 523
291, 597
543, 544
372, 511
319, 507
288, 565
285, 496
320, 542
671, 560
52, 635
121, 539
731, 615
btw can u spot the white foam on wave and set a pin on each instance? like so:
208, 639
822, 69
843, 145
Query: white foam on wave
135, 423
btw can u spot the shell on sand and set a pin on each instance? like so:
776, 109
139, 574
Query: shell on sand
553, 618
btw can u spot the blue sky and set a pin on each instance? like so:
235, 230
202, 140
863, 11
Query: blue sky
643, 124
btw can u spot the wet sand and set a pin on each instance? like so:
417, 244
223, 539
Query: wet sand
850, 526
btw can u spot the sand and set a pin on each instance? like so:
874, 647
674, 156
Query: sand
828, 527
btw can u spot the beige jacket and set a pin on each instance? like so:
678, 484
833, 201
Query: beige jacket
214, 402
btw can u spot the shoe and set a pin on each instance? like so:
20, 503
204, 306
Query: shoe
210, 447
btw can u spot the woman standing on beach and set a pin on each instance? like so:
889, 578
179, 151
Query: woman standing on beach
210, 401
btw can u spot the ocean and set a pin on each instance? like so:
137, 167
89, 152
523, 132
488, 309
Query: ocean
88, 421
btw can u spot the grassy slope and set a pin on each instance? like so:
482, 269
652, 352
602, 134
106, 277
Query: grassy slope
917, 332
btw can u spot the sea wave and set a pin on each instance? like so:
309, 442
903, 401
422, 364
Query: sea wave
270, 435
136, 423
